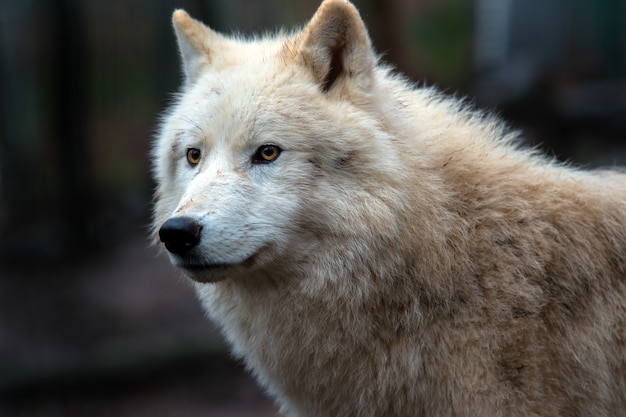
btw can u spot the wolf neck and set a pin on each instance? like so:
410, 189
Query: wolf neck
289, 335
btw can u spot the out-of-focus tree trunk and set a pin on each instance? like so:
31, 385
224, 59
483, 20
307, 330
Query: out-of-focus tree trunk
69, 115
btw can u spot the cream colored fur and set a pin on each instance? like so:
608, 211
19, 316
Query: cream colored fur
402, 256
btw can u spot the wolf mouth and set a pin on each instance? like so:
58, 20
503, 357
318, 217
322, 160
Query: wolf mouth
208, 272
195, 266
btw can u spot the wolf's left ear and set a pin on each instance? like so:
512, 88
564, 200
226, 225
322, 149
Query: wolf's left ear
196, 43
335, 46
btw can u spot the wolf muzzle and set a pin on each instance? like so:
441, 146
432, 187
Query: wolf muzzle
180, 234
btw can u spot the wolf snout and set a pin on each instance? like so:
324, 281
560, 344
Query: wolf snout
180, 234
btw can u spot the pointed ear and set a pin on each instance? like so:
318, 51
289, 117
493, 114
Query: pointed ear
196, 43
336, 47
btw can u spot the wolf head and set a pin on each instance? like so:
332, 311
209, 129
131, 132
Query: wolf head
274, 147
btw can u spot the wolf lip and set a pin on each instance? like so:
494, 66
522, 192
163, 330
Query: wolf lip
207, 272
191, 266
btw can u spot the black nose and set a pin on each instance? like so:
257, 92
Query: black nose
180, 234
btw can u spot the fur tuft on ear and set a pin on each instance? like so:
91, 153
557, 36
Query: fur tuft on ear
335, 45
195, 43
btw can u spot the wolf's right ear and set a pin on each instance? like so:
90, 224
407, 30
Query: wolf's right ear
195, 43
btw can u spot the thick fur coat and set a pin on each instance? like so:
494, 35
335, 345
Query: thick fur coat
370, 248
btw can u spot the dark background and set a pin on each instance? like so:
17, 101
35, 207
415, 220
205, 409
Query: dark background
92, 321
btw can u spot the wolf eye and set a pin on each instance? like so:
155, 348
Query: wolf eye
265, 154
193, 156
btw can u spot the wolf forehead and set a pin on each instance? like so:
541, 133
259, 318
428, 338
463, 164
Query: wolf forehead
243, 95
254, 86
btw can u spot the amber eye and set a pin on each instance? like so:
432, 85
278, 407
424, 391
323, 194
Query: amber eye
266, 153
193, 156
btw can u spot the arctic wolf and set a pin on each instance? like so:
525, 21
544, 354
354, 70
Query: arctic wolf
370, 248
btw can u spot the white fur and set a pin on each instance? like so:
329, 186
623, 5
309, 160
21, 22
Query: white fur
401, 256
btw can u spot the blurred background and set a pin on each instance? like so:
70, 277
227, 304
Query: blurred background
92, 321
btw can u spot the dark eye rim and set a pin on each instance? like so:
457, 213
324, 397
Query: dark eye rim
193, 160
260, 158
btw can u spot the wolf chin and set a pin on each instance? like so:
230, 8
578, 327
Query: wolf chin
371, 248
